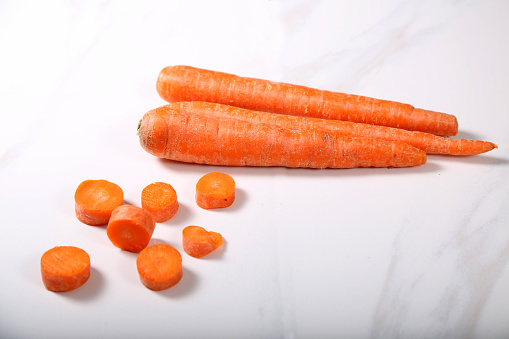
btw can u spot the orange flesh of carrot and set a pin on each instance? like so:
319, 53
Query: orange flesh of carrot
185, 83
198, 242
215, 190
194, 138
130, 228
159, 267
160, 199
430, 143
65, 268
95, 200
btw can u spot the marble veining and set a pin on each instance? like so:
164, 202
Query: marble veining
410, 253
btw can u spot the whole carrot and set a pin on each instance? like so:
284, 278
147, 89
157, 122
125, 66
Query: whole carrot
200, 139
430, 143
185, 83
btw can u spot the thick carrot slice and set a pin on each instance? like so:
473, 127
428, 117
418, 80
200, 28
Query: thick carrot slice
182, 136
215, 190
160, 199
430, 143
95, 200
159, 267
130, 228
184, 83
65, 268
198, 242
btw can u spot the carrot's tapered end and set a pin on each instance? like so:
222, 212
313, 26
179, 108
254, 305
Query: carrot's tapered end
437, 123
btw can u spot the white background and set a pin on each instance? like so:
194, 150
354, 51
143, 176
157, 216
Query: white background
361, 253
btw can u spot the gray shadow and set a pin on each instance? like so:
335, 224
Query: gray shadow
89, 291
183, 288
183, 214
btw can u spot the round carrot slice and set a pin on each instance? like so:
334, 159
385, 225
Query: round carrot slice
130, 228
159, 266
64, 268
160, 199
215, 190
198, 242
95, 200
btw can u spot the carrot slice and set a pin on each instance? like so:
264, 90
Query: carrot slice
159, 267
198, 242
95, 200
130, 228
160, 199
215, 190
64, 268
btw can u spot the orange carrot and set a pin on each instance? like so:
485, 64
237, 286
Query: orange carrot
65, 268
184, 83
160, 199
159, 267
431, 144
95, 200
198, 242
130, 228
181, 136
215, 190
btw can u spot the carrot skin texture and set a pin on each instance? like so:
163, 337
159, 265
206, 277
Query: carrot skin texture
198, 242
160, 199
430, 143
65, 268
215, 190
95, 200
185, 83
193, 138
130, 228
159, 267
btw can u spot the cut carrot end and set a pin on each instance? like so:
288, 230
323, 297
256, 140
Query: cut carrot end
215, 190
198, 242
159, 267
130, 228
65, 268
160, 199
95, 200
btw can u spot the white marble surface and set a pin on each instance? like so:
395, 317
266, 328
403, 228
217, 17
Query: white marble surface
363, 253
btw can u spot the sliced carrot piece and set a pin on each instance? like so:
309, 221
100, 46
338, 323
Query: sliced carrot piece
159, 266
215, 190
160, 199
64, 268
198, 242
95, 200
130, 228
